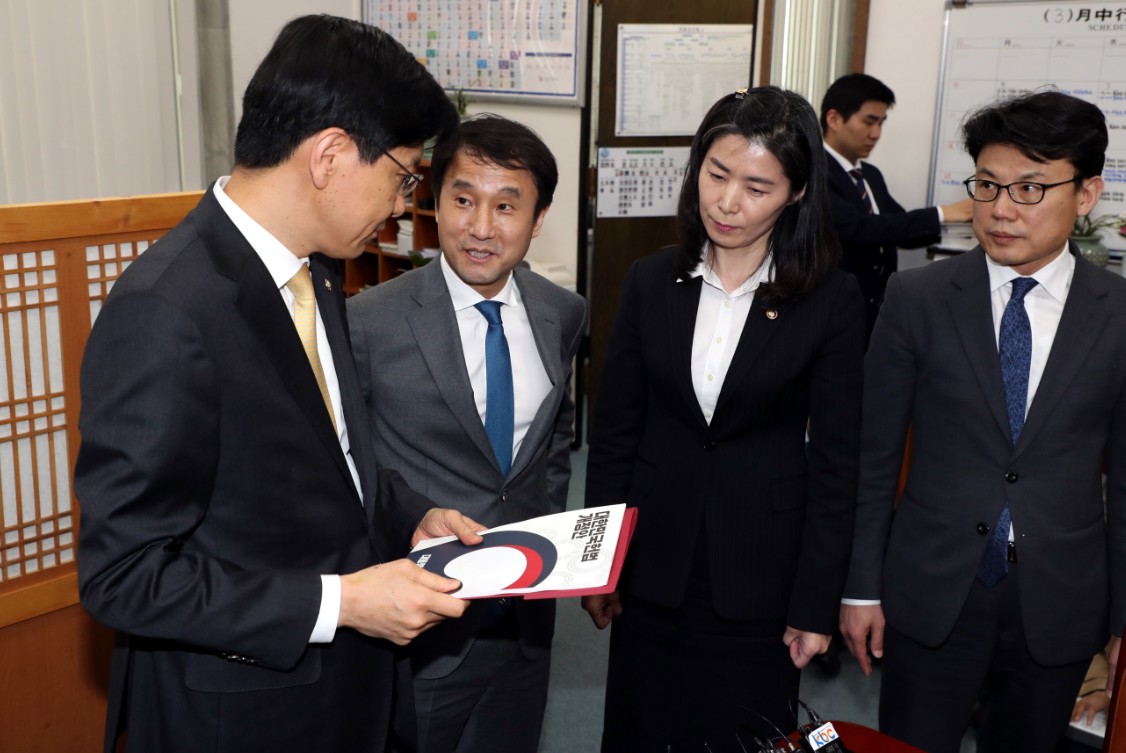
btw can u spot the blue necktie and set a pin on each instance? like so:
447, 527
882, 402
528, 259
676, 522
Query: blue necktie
858, 179
1016, 357
499, 405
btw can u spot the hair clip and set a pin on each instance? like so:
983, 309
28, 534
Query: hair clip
740, 93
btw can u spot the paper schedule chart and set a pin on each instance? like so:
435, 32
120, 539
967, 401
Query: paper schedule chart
490, 48
670, 74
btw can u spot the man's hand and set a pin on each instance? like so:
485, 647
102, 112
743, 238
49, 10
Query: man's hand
863, 629
397, 601
442, 521
959, 211
603, 608
804, 646
1088, 706
1112, 664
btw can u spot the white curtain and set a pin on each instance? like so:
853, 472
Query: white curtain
88, 99
811, 45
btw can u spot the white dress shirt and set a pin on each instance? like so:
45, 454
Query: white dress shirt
282, 266
530, 383
1044, 305
720, 319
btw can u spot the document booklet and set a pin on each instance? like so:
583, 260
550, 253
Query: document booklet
571, 553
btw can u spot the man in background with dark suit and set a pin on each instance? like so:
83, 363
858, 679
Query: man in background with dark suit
466, 367
233, 519
870, 224
1000, 573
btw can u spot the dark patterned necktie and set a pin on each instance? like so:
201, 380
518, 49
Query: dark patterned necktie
858, 178
1016, 358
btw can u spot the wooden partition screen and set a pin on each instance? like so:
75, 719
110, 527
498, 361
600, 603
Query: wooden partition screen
57, 264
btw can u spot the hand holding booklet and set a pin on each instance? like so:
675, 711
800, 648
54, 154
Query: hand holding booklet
572, 553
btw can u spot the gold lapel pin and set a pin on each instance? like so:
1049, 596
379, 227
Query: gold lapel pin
771, 314
328, 285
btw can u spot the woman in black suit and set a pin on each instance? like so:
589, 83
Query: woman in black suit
726, 349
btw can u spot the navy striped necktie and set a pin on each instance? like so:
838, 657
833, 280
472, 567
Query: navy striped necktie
858, 178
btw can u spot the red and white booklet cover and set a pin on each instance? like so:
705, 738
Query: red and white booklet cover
572, 553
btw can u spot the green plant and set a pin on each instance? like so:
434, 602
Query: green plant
1089, 225
461, 101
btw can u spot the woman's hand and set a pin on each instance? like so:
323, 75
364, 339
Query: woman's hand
603, 608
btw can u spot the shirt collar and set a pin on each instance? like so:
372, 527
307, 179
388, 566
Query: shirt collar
765, 273
1054, 277
841, 159
464, 296
280, 261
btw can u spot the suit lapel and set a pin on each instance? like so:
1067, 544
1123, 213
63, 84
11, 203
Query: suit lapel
264, 313
971, 309
327, 287
684, 303
756, 332
547, 333
435, 330
1082, 321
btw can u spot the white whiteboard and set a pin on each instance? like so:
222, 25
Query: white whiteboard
531, 50
1000, 48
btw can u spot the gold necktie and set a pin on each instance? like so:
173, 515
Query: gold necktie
305, 318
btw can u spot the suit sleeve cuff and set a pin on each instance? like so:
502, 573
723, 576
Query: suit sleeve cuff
941, 216
860, 602
325, 629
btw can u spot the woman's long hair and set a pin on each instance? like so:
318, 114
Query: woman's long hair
802, 241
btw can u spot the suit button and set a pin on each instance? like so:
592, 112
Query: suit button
504, 495
1011, 477
982, 528
709, 446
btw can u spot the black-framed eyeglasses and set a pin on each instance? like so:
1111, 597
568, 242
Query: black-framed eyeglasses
1021, 192
410, 180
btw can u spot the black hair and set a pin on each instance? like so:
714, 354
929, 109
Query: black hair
1043, 126
492, 139
848, 94
802, 241
324, 72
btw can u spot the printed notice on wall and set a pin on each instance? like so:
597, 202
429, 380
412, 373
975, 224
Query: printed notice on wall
670, 74
641, 182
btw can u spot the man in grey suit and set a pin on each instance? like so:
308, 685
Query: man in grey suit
1000, 574
466, 369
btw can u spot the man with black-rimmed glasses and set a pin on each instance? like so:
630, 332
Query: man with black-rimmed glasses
999, 575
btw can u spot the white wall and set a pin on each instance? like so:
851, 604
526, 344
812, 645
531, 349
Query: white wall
253, 28
255, 24
904, 51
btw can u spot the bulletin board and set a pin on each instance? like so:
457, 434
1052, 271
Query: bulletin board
1002, 48
527, 50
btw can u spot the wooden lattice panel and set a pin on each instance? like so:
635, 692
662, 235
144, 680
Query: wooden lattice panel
103, 265
36, 519
58, 262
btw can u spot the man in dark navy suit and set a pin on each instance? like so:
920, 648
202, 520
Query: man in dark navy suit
869, 222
